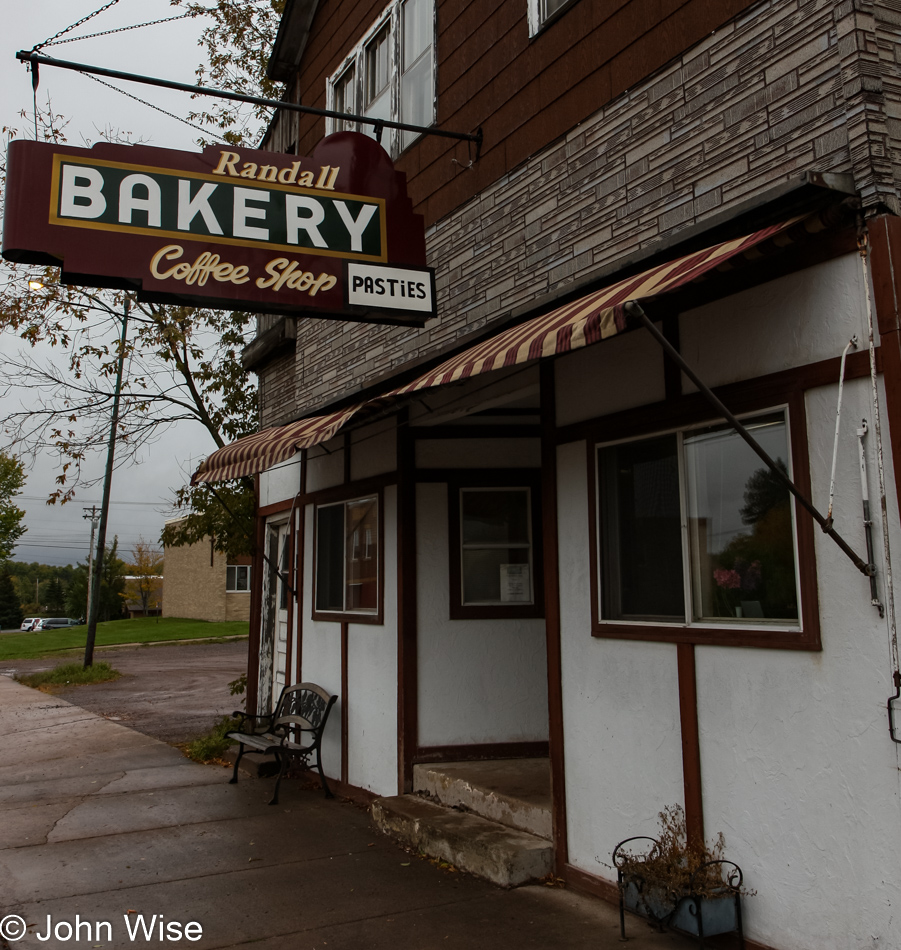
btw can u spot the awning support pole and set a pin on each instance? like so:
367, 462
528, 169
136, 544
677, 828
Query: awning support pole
377, 124
634, 310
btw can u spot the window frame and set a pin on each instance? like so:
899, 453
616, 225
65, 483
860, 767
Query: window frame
236, 568
636, 425
492, 479
345, 615
392, 140
538, 20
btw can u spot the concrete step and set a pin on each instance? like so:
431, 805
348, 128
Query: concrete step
513, 792
485, 848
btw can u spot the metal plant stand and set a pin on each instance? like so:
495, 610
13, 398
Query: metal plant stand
692, 914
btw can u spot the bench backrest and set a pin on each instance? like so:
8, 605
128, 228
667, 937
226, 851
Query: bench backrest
304, 706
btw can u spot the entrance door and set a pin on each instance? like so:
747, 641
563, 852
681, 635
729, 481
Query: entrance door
282, 591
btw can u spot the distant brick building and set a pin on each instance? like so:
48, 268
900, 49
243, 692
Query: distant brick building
200, 583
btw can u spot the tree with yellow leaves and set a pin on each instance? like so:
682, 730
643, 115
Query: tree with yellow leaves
144, 583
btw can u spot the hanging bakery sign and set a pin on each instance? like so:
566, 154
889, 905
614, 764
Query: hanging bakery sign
333, 235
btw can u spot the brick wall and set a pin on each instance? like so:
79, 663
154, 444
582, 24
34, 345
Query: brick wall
788, 86
193, 585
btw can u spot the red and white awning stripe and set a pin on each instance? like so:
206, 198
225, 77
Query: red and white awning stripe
585, 321
263, 450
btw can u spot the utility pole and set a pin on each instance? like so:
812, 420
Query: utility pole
104, 504
91, 515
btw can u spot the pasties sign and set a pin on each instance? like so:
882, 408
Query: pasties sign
233, 228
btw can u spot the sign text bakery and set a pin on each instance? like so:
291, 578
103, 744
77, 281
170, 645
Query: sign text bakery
226, 227
138, 199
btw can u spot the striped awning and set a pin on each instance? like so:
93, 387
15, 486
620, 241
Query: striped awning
590, 319
262, 450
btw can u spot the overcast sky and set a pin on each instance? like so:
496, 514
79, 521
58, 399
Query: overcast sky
60, 535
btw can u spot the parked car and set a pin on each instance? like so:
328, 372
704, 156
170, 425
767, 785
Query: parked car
28, 621
58, 623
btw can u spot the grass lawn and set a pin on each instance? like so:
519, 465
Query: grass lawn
27, 646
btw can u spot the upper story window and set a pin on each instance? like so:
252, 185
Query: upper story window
390, 74
542, 12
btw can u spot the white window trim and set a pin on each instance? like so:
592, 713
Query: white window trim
536, 22
720, 622
237, 590
391, 138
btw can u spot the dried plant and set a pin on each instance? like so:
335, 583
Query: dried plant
676, 867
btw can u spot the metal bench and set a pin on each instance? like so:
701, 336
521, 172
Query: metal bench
292, 732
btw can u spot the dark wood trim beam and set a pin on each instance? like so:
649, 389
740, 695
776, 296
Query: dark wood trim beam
292, 598
256, 609
277, 508
407, 637
885, 261
552, 610
513, 431
299, 567
365, 486
691, 743
344, 703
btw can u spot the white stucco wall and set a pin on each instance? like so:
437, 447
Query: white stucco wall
631, 374
371, 700
372, 680
622, 738
786, 322
280, 483
321, 657
325, 465
373, 449
798, 770
479, 680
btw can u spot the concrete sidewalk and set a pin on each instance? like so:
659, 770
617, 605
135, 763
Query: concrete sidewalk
102, 823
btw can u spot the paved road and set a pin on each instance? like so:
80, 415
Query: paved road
104, 824
173, 692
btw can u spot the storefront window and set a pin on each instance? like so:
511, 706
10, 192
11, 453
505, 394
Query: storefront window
496, 546
694, 528
347, 557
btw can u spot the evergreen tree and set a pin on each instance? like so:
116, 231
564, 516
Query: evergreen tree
55, 596
11, 615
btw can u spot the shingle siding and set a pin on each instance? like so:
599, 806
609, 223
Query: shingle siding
784, 88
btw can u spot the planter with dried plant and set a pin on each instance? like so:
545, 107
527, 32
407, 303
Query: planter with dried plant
678, 884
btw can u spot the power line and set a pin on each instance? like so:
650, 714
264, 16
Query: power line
151, 504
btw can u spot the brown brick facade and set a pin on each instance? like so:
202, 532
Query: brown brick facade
782, 88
